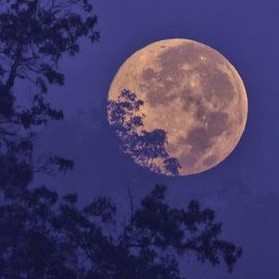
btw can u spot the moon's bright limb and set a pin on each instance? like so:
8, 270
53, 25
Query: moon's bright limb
193, 93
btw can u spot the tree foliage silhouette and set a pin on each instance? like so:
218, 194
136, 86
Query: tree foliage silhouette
34, 36
44, 236
147, 148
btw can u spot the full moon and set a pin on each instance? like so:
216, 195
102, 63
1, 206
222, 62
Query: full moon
193, 93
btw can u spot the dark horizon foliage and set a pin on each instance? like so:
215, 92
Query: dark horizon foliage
44, 236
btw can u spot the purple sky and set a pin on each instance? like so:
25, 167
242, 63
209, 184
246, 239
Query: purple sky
244, 189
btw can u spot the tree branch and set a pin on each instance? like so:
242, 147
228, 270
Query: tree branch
131, 205
11, 79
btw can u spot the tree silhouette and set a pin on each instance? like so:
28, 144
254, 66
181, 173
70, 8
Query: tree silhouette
44, 236
147, 148
34, 36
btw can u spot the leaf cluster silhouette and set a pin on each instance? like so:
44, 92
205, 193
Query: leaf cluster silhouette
147, 148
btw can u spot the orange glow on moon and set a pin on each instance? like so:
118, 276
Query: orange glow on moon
193, 93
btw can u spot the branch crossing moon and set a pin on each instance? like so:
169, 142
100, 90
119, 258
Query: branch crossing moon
191, 92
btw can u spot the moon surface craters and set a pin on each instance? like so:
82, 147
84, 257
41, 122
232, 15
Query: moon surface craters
194, 94
203, 89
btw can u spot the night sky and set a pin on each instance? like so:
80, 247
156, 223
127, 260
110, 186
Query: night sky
244, 188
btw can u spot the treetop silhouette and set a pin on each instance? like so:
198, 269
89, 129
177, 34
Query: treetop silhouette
147, 148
